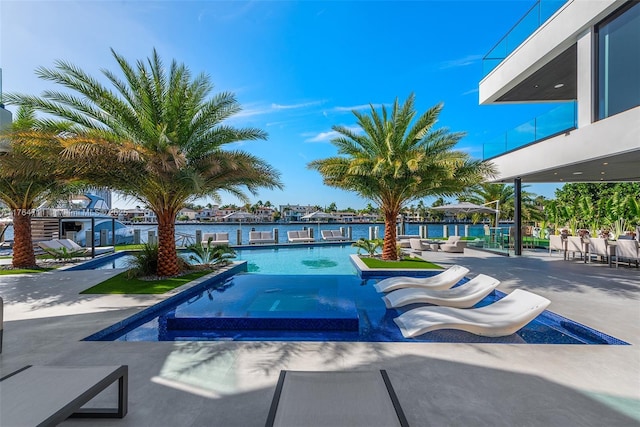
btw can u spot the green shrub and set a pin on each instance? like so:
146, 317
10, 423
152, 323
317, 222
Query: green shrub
144, 262
206, 254
371, 246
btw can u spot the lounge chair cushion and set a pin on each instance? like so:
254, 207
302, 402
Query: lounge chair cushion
443, 280
463, 296
502, 318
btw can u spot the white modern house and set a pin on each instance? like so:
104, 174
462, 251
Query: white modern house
585, 55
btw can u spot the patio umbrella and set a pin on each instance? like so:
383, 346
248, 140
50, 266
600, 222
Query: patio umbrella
318, 215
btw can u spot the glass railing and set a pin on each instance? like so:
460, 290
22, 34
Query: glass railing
551, 123
531, 21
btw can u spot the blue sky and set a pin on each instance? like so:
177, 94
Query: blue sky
297, 68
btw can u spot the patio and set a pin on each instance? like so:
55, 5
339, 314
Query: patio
232, 383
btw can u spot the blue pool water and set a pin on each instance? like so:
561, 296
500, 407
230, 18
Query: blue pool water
256, 307
333, 259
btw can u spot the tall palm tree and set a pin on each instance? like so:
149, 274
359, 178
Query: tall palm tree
156, 135
396, 160
29, 176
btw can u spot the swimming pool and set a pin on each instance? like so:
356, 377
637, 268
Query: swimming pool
257, 307
318, 259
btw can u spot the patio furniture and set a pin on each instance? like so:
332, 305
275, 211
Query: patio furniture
335, 235
557, 243
48, 395
261, 237
464, 296
351, 398
576, 244
299, 236
502, 318
404, 239
443, 280
216, 238
419, 245
627, 250
453, 245
598, 247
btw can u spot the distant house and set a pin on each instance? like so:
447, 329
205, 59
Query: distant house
189, 213
290, 213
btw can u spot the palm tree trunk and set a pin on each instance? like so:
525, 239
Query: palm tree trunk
167, 255
23, 255
389, 250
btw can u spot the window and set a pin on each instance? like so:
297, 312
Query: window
618, 61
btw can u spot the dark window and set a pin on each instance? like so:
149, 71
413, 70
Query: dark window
618, 39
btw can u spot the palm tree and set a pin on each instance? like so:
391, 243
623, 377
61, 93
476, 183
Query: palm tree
30, 173
393, 162
155, 135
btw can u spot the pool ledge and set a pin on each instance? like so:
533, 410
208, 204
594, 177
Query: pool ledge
366, 272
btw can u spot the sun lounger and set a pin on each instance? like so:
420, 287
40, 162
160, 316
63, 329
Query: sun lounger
261, 237
216, 238
463, 296
503, 317
444, 280
335, 235
299, 236
48, 395
353, 398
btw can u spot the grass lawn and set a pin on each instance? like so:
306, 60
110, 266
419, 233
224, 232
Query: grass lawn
4, 272
129, 247
120, 284
405, 263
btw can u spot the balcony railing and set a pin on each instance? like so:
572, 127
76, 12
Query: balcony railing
559, 120
531, 21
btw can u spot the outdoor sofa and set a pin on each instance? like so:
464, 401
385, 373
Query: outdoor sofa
454, 245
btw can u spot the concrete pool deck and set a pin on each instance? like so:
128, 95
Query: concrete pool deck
232, 383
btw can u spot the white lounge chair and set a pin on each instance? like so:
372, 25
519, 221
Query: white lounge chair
257, 237
627, 250
502, 318
299, 236
463, 296
444, 280
329, 235
216, 238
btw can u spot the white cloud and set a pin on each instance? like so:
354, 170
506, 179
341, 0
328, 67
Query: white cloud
296, 106
329, 135
355, 107
460, 62
469, 92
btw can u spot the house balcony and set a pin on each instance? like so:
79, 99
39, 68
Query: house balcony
531, 21
554, 122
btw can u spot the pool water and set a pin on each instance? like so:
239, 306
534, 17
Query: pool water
254, 307
330, 259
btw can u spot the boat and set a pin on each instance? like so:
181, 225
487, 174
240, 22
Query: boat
76, 220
